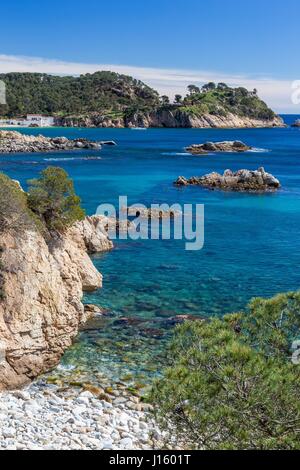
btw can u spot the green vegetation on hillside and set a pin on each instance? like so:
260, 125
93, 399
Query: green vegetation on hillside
15, 214
233, 383
52, 198
221, 100
50, 205
119, 97
98, 92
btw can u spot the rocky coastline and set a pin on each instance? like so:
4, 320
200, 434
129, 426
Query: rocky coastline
176, 118
218, 147
40, 316
172, 117
15, 142
241, 180
42, 310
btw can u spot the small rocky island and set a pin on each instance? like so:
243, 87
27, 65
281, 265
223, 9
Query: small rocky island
241, 180
219, 147
296, 123
15, 142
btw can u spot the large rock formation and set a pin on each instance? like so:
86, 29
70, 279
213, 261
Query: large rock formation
242, 180
15, 142
169, 118
226, 146
174, 118
93, 119
42, 284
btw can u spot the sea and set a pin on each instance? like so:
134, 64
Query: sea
251, 241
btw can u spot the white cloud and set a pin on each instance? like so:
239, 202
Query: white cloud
276, 92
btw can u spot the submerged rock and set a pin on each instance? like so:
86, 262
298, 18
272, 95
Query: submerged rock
150, 213
108, 142
226, 146
93, 310
129, 321
15, 142
178, 319
175, 117
242, 180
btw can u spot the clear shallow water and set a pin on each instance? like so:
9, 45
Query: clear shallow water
252, 242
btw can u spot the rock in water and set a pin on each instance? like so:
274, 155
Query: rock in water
150, 213
242, 180
15, 142
296, 123
226, 146
108, 142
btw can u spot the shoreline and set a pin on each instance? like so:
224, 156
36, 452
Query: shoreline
46, 417
285, 126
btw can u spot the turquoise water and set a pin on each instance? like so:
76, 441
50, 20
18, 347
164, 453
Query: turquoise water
252, 242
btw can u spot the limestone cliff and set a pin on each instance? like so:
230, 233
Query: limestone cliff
91, 120
41, 306
176, 118
170, 118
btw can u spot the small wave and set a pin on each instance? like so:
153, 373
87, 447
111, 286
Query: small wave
65, 367
176, 153
258, 150
71, 159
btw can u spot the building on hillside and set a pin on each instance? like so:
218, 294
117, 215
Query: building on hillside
39, 120
13, 122
31, 120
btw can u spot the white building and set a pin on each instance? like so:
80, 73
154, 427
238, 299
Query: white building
12, 123
39, 120
31, 120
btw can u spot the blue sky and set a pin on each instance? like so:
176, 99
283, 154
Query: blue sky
252, 42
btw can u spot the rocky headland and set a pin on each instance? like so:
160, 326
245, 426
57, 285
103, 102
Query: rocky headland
169, 117
218, 147
175, 117
241, 180
43, 275
113, 100
15, 142
41, 310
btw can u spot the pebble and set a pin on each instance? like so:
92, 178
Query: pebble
44, 417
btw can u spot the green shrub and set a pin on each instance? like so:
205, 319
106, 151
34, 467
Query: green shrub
52, 198
14, 212
62, 96
231, 383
